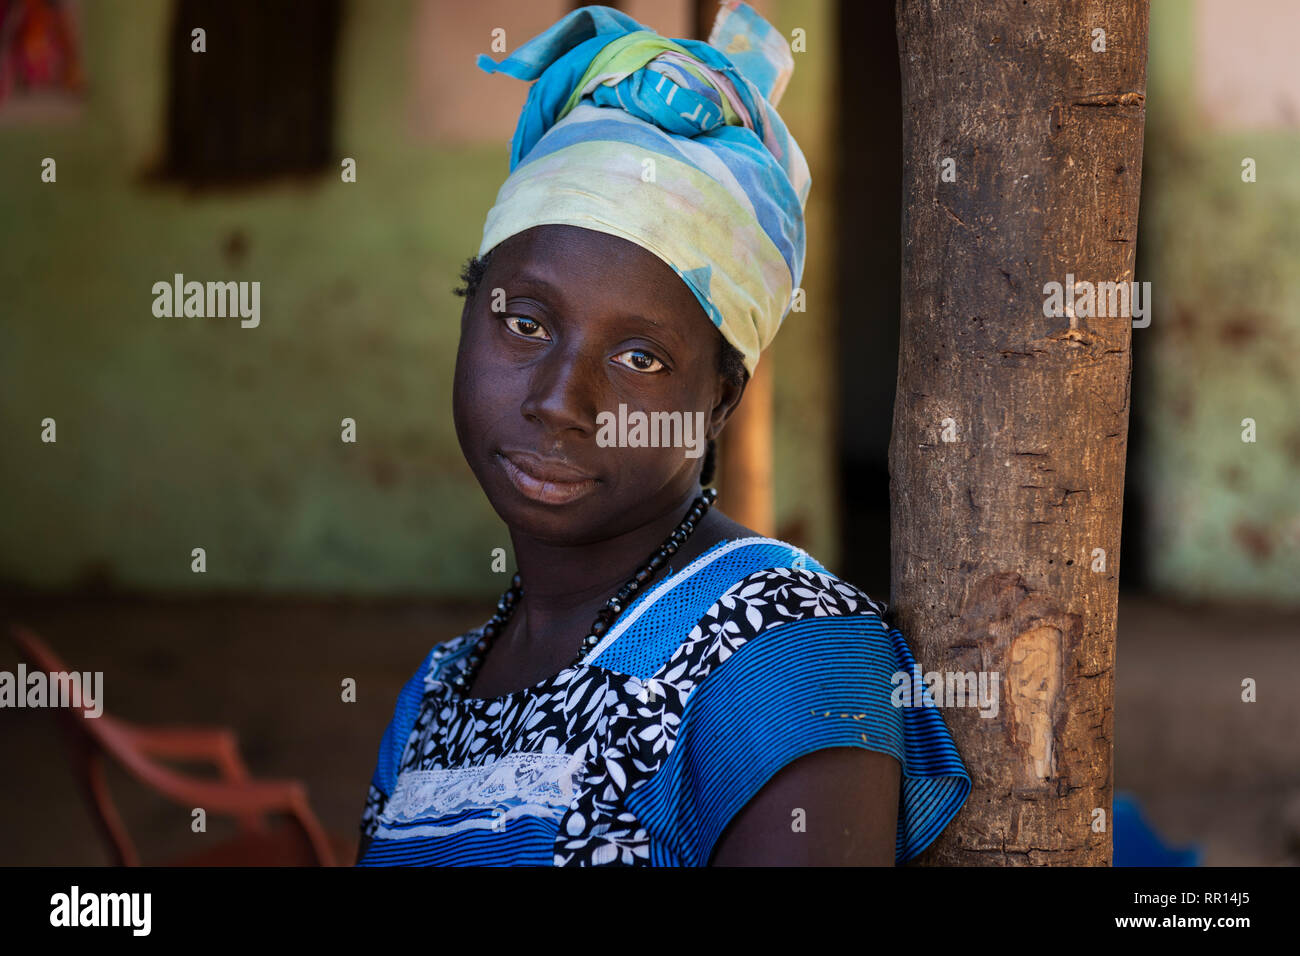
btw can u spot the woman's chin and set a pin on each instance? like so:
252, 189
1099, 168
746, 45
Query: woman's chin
577, 521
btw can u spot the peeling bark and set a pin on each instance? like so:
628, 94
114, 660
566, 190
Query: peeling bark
994, 534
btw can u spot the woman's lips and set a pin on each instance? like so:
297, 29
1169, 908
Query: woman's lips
545, 480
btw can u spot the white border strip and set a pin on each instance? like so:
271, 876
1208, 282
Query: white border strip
672, 581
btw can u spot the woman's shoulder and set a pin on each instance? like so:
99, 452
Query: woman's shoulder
736, 591
779, 607
787, 659
803, 589
782, 582
786, 566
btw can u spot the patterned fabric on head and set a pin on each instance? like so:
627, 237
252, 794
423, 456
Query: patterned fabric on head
674, 145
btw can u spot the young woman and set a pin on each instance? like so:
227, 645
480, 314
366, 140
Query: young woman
659, 685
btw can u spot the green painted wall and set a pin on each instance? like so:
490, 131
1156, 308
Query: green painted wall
1223, 515
183, 433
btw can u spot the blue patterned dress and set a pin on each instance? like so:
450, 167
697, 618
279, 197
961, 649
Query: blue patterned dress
709, 683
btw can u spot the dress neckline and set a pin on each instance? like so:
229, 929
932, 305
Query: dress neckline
633, 611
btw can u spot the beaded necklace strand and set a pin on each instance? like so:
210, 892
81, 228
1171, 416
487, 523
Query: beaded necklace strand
607, 614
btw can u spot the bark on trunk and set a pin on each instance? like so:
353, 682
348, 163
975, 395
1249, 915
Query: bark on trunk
1010, 426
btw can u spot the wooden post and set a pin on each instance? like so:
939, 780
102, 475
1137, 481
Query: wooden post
1010, 426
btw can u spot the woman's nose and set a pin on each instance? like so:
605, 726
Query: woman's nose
562, 393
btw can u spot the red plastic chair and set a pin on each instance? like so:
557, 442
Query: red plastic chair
236, 794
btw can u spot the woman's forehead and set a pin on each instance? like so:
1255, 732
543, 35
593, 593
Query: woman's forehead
585, 263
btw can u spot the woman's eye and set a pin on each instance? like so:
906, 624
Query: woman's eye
526, 327
639, 360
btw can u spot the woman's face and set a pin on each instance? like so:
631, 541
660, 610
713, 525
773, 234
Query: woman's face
566, 324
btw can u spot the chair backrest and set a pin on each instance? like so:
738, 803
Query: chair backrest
88, 739
96, 730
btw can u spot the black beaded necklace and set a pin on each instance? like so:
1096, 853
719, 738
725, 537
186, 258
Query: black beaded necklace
606, 616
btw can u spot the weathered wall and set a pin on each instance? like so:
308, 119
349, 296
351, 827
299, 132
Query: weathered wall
183, 433
1222, 515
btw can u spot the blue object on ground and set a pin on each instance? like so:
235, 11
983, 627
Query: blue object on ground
1136, 844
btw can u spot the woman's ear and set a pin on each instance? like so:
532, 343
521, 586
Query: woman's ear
728, 397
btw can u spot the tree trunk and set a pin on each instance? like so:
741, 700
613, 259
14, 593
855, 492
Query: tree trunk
1010, 426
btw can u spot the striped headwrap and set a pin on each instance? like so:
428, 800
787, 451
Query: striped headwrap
674, 145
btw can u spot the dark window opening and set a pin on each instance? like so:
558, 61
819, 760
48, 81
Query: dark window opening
259, 102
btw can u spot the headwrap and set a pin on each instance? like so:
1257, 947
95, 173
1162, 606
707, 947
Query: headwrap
672, 144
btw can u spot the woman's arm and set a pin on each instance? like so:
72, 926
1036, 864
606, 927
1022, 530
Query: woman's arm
849, 798
362, 847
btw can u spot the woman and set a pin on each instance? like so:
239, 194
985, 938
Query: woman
660, 685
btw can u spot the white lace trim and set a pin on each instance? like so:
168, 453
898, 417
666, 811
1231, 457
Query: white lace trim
496, 821
518, 784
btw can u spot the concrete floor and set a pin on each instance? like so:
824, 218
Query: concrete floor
1207, 768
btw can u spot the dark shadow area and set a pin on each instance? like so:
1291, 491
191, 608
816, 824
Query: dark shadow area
1132, 571
869, 177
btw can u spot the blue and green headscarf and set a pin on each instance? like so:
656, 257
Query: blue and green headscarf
672, 144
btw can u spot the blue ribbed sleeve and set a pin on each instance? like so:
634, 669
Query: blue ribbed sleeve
793, 689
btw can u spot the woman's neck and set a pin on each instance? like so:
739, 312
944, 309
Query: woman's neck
566, 585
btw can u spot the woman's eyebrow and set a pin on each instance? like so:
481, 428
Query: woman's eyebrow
661, 326
533, 282
671, 336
